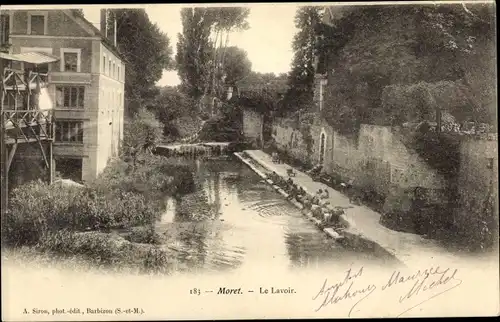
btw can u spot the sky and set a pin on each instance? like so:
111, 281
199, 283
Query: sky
268, 42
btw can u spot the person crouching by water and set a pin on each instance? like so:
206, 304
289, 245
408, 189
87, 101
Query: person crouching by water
315, 199
293, 192
288, 186
321, 197
274, 177
275, 157
302, 193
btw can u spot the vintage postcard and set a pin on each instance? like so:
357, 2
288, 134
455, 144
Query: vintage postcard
249, 161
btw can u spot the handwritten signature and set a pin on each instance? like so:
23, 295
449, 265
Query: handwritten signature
422, 281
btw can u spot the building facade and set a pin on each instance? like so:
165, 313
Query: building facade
86, 86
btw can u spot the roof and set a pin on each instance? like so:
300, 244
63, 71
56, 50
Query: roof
36, 58
105, 41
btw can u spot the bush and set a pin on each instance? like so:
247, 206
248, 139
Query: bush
123, 196
104, 249
153, 177
38, 209
143, 235
156, 261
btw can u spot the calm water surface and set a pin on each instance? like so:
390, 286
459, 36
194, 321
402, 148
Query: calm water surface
250, 225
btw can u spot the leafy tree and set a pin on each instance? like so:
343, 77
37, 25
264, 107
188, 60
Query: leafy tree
255, 81
142, 133
146, 51
169, 105
201, 50
194, 48
301, 77
371, 48
259, 101
236, 65
225, 20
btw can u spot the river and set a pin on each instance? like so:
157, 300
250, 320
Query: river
249, 225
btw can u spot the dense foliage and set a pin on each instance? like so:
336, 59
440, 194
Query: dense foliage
236, 65
203, 46
123, 196
301, 77
142, 132
376, 54
194, 52
255, 81
146, 51
169, 106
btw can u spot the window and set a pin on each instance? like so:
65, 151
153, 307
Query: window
37, 24
109, 67
70, 96
70, 60
69, 131
104, 64
119, 75
5, 27
114, 70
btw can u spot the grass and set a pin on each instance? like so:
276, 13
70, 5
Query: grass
65, 220
93, 251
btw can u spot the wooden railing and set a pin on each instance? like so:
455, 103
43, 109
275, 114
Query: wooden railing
28, 125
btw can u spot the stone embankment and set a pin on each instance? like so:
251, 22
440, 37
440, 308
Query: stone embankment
331, 219
355, 225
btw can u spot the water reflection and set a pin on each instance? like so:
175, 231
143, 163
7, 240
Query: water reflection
235, 220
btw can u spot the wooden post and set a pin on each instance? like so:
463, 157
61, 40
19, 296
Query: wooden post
5, 175
3, 148
51, 163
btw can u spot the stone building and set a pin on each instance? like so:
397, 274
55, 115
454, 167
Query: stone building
86, 87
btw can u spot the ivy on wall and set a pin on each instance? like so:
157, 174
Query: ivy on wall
387, 59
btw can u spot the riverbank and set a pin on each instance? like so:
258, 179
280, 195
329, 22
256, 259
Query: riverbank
327, 230
362, 226
107, 222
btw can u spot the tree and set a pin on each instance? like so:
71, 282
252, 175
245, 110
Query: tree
169, 105
201, 50
146, 51
225, 20
236, 65
194, 48
142, 134
301, 77
259, 81
375, 47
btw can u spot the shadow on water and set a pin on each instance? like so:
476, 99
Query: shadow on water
235, 219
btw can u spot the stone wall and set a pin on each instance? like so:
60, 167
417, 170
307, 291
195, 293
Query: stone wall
376, 159
478, 186
253, 123
288, 139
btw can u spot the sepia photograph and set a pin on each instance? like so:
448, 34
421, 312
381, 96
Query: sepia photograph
249, 161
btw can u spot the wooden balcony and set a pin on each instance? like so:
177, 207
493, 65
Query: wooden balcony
24, 126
